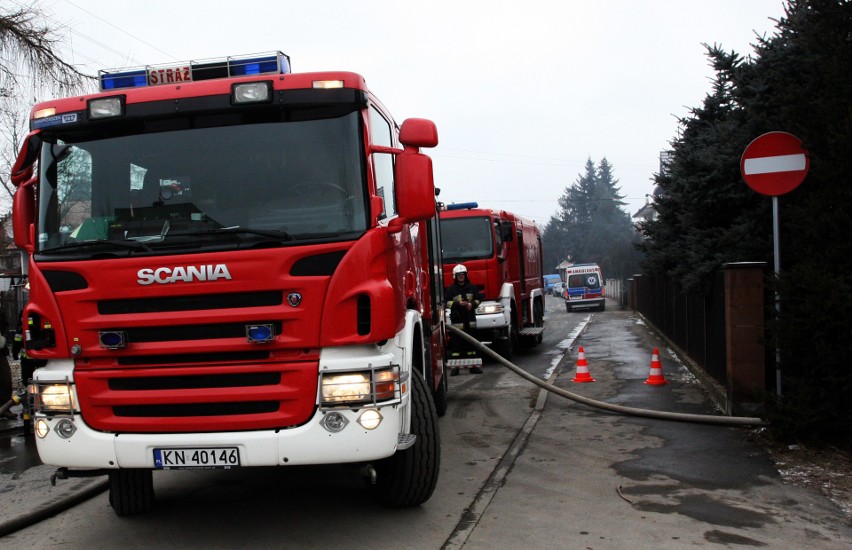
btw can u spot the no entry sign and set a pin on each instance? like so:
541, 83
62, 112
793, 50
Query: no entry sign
774, 163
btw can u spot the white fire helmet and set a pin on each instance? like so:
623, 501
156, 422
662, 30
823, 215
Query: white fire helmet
459, 269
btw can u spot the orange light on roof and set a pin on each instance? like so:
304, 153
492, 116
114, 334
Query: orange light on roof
43, 113
328, 84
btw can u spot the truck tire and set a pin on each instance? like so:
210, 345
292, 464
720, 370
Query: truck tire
408, 478
441, 395
538, 314
131, 491
602, 307
567, 307
505, 348
537, 322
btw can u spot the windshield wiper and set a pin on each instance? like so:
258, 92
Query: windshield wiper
276, 235
105, 245
273, 234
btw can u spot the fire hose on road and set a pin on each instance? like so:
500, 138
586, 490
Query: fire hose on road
620, 409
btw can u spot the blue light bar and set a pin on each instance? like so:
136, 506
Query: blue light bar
462, 206
259, 65
175, 73
129, 79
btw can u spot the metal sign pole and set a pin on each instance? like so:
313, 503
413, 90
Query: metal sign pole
774, 164
776, 248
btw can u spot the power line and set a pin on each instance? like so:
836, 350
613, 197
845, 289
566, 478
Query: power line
561, 161
122, 30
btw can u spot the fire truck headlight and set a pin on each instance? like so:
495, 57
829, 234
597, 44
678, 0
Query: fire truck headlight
489, 309
41, 428
344, 388
360, 387
251, 92
370, 419
106, 107
54, 399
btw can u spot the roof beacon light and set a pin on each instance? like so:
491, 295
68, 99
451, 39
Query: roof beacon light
462, 206
176, 73
327, 84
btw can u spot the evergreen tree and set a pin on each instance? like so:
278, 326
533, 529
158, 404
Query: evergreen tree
591, 226
799, 81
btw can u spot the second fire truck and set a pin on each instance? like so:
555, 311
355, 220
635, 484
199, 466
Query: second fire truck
502, 254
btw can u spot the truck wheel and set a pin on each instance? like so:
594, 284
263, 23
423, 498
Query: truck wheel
567, 307
441, 395
602, 307
131, 491
538, 314
505, 348
408, 477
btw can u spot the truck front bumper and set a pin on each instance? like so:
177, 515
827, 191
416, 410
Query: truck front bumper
307, 444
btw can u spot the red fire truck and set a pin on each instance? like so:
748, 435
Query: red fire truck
502, 254
231, 265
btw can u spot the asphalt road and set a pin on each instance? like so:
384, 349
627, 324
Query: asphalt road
520, 469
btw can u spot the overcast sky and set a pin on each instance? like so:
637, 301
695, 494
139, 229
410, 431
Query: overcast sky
522, 92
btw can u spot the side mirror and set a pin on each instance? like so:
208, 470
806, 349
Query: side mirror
23, 208
22, 170
415, 185
503, 253
506, 231
418, 132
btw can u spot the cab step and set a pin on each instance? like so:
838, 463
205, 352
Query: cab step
463, 363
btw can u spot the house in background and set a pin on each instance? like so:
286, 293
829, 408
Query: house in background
12, 290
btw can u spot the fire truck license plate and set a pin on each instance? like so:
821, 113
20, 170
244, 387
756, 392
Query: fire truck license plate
197, 458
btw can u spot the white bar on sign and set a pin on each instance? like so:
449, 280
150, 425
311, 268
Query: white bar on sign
769, 165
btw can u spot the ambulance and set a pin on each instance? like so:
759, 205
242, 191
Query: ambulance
584, 287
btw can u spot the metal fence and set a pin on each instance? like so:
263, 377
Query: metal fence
693, 322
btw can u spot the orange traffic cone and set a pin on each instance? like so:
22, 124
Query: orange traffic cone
582, 368
656, 377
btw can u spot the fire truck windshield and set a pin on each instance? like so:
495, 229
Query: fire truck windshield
467, 238
223, 186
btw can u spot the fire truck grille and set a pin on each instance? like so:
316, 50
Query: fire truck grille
211, 357
192, 332
191, 303
198, 398
202, 409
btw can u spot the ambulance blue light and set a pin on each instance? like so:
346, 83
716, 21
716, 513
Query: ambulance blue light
260, 333
462, 206
119, 80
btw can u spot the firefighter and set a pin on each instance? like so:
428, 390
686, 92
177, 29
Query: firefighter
462, 299
19, 351
6, 386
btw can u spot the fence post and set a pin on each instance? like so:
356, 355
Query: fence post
632, 292
745, 336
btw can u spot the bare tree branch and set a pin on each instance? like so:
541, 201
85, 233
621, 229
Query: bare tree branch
28, 49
